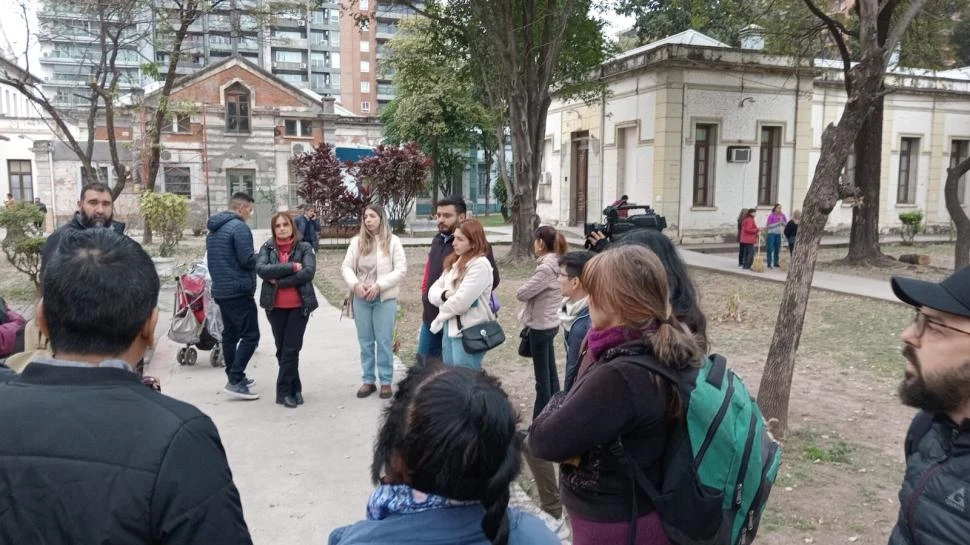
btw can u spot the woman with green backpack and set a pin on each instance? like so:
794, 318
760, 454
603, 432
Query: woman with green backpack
613, 401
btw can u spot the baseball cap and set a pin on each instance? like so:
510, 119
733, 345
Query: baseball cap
951, 295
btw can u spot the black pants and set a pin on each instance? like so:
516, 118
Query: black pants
748, 250
544, 364
240, 334
740, 255
289, 325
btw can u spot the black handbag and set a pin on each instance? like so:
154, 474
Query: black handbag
525, 347
481, 337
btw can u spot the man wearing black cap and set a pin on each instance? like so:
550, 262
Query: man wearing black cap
935, 496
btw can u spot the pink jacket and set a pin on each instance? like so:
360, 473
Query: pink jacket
8, 331
749, 231
541, 295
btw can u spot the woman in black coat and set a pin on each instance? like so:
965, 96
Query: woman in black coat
287, 265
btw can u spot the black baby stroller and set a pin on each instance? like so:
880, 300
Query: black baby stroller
196, 322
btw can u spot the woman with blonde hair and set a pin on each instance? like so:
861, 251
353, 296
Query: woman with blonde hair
373, 268
614, 400
462, 293
287, 265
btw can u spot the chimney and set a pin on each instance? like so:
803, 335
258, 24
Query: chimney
327, 102
752, 37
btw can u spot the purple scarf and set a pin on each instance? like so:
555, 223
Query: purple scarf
601, 340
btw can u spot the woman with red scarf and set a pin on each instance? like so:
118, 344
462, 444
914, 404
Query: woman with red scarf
286, 265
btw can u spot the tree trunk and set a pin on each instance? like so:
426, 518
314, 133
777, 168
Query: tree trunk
915, 259
864, 237
961, 252
526, 137
822, 195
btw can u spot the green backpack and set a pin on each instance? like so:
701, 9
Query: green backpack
719, 467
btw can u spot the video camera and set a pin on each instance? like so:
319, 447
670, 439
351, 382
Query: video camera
616, 227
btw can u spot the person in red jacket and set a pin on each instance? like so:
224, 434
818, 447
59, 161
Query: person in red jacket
749, 237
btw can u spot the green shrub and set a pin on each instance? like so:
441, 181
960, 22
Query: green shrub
167, 214
24, 242
912, 225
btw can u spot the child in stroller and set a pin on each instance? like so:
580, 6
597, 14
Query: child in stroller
196, 321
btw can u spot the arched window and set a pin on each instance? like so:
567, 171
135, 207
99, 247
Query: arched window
237, 108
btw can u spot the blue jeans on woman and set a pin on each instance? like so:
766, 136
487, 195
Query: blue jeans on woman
375, 332
774, 249
453, 353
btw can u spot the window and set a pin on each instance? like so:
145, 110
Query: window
365, 67
287, 56
364, 46
21, 180
237, 108
178, 123
240, 179
298, 127
335, 60
768, 165
364, 5
178, 181
908, 163
705, 138
335, 82
960, 150
335, 17
365, 106
365, 87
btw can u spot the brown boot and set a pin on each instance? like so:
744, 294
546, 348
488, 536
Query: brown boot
366, 390
386, 392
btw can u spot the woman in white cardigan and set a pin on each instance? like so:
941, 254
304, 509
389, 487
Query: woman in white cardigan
374, 266
462, 292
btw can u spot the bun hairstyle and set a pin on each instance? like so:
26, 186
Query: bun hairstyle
630, 282
453, 431
553, 240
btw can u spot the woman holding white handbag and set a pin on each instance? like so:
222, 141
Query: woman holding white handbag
462, 294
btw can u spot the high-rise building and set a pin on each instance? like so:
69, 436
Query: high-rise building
319, 46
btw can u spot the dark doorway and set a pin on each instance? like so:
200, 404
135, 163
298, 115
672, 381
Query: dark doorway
580, 172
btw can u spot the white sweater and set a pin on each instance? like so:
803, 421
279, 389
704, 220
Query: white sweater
390, 268
476, 286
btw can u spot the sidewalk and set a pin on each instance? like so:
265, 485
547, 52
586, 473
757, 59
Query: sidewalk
300, 472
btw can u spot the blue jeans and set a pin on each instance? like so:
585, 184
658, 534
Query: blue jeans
375, 333
429, 344
453, 353
774, 249
240, 334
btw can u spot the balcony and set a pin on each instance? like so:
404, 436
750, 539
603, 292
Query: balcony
290, 43
393, 12
287, 21
385, 31
298, 66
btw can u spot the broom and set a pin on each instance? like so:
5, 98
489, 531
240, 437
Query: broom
759, 260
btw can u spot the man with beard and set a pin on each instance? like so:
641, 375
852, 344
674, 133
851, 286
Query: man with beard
448, 211
95, 209
935, 496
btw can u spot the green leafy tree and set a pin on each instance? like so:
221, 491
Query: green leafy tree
24, 241
722, 20
168, 215
522, 53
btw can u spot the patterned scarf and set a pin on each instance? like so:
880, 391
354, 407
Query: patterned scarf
401, 499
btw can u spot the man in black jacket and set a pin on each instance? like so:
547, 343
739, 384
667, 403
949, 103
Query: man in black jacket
94, 209
934, 502
88, 453
232, 265
449, 212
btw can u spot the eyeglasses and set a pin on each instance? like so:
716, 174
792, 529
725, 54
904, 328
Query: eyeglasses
921, 320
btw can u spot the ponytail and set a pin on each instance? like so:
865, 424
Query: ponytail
552, 240
561, 246
674, 346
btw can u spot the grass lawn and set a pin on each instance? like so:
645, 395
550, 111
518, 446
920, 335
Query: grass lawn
843, 456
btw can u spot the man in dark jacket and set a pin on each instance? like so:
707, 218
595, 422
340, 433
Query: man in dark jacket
94, 209
449, 212
232, 266
90, 454
308, 225
934, 502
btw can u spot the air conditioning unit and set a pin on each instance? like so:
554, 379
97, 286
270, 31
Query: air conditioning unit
299, 149
739, 154
274, 65
303, 66
167, 156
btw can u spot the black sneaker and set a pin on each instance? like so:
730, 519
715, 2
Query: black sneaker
250, 382
241, 391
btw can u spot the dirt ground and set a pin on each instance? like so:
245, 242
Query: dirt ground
843, 458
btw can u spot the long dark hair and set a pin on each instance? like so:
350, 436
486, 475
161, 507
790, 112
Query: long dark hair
683, 293
552, 240
454, 431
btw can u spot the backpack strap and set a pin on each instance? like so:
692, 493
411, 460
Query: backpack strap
638, 479
921, 425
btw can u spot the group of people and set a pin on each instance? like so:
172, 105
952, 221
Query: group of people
777, 226
448, 447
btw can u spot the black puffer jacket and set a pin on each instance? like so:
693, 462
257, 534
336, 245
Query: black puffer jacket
268, 267
231, 258
934, 502
90, 456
